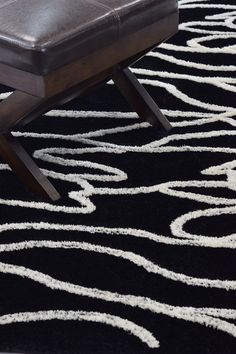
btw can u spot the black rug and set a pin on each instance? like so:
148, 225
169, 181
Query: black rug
139, 255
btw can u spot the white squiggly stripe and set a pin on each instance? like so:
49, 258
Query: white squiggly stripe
97, 317
190, 314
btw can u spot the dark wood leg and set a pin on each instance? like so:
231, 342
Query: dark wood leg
139, 99
25, 168
21, 108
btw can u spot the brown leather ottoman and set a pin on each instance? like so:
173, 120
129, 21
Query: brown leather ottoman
54, 50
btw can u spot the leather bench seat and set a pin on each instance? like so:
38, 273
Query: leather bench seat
40, 36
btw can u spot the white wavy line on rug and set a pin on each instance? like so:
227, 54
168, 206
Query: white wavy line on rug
190, 64
83, 197
190, 136
177, 93
228, 169
202, 121
208, 6
203, 118
90, 114
186, 49
228, 16
225, 116
134, 258
201, 241
82, 137
178, 224
147, 148
88, 190
183, 2
195, 42
168, 188
114, 321
87, 207
153, 147
187, 26
217, 81
190, 314
225, 15
221, 169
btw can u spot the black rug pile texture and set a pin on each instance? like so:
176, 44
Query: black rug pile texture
139, 254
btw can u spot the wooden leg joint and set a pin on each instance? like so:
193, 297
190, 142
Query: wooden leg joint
139, 99
20, 108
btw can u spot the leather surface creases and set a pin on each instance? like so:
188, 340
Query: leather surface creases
40, 36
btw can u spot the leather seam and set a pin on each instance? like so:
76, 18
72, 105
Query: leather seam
112, 11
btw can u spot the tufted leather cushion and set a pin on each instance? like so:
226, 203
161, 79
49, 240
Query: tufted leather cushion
41, 35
